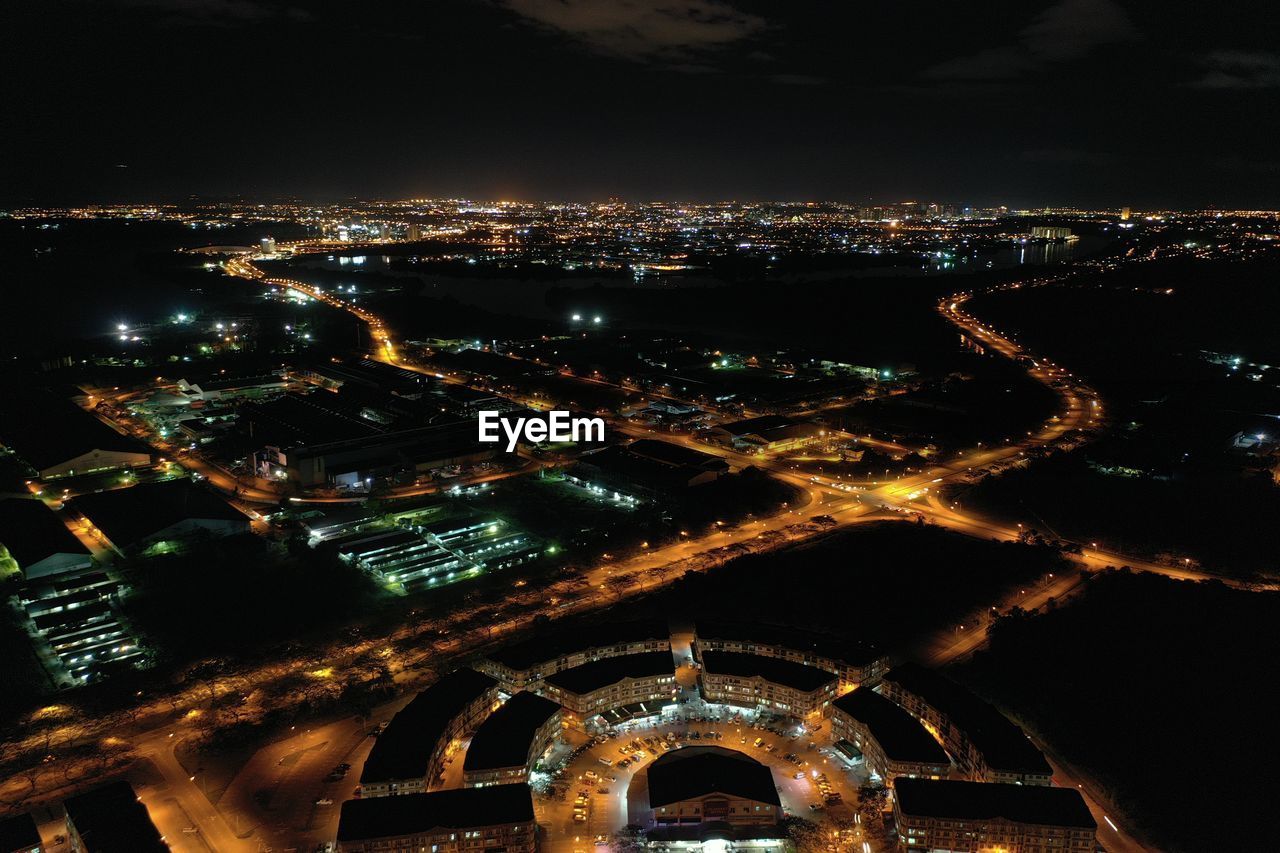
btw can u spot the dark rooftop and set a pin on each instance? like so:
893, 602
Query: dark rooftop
788, 673
1002, 744
128, 516
46, 430
546, 647
694, 771
643, 471
111, 819
18, 833
403, 750
503, 739
676, 454
954, 800
458, 808
601, 673
756, 425
899, 734
824, 645
31, 532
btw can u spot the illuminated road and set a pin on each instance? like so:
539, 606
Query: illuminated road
612, 580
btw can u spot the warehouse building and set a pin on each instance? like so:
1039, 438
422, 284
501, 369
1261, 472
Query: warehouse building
649, 468
59, 439
150, 513
37, 542
770, 433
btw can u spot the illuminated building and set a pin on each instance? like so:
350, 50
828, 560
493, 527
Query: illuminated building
111, 819
981, 817
496, 818
769, 683
519, 665
855, 663
509, 744
984, 744
647, 679
706, 784
892, 741
409, 755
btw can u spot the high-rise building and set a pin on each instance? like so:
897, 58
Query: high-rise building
267, 245
1124, 214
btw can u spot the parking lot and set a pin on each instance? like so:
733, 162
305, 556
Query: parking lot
603, 785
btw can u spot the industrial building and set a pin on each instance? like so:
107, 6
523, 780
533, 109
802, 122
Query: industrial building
134, 518
414, 555
37, 542
984, 744
59, 439
319, 439
768, 433
408, 756
968, 817
509, 744
649, 468
68, 603
774, 684
892, 742
494, 818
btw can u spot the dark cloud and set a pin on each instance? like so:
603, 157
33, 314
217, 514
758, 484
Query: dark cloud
637, 30
222, 11
1067, 30
1240, 69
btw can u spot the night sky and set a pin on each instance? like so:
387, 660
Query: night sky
1091, 102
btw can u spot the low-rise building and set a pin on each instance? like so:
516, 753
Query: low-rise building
856, 663
149, 513
773, 684
706, 784
37, 541
59, 439
649, 468
408, 756
968, 817
111, 819
893, 742
984, 744
648, 678
509, 744
494, 818
527, 662
771, 433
